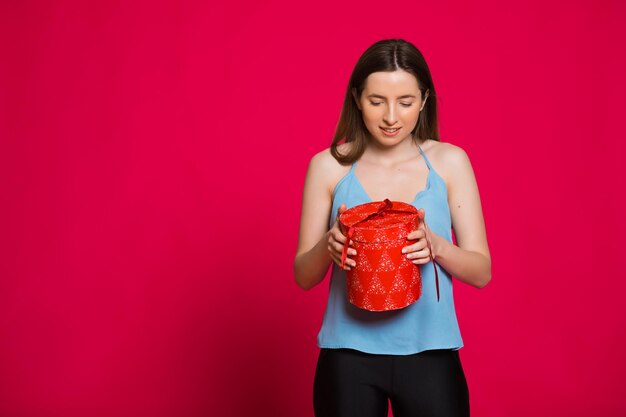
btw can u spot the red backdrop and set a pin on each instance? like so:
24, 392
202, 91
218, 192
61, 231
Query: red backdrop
152, 163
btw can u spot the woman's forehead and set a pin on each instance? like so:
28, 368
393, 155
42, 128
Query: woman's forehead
397, 82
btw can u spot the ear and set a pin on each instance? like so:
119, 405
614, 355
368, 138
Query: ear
356, 100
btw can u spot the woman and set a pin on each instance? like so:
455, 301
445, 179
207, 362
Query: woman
392, 150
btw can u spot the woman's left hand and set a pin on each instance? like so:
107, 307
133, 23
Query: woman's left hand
418, 252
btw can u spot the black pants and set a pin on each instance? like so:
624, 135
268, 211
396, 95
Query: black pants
427, 384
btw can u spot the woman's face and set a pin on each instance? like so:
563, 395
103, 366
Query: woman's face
390, 104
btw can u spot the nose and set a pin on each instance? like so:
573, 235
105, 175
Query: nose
390, 115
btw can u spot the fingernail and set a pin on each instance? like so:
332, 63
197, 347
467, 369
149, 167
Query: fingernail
403, 250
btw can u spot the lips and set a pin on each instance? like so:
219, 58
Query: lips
390, 132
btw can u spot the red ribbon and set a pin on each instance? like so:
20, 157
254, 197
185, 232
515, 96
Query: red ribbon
386, 208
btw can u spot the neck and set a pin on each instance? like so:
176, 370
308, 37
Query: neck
390, 155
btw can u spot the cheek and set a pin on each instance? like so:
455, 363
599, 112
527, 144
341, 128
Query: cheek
371, 117
411, 119
412, 115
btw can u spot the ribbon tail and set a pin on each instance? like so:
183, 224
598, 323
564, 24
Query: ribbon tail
432, 258
346, 244
436, 278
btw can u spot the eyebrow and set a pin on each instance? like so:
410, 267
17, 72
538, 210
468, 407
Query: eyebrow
379, 96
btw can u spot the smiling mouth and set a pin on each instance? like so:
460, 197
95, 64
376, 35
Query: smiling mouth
390, 130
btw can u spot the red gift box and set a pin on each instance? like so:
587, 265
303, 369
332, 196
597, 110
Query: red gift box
383, 278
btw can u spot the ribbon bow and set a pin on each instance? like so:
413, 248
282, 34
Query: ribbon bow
386, 208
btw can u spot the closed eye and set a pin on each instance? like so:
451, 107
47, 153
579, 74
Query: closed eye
376, 103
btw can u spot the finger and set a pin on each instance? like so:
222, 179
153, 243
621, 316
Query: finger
332, 240
336, 252
418, 233
350, 263
341, 238
410, 248
420, 261
339, 250
421, 231
338, 236
415, 247
423, 253
341, 208
351, 250
338, 247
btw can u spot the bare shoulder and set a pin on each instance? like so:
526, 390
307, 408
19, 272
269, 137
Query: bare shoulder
448, 160
327, 169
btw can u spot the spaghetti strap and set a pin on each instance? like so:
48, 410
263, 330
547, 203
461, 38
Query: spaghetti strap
425, 158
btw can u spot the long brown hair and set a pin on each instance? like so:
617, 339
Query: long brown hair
385, 55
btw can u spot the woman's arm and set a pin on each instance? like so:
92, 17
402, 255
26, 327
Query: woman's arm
470, 261
312, 256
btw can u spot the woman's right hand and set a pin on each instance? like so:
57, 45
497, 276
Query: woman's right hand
336, 240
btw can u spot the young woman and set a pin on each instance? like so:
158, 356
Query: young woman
392, 150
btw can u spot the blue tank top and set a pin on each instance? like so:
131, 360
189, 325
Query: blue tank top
425, 324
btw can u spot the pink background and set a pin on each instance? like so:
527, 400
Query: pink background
152, 162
